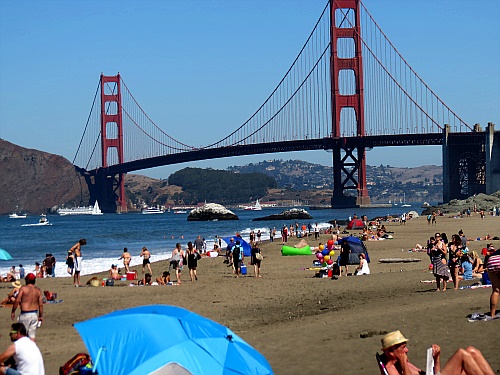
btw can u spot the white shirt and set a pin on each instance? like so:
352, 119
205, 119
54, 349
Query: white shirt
28, 357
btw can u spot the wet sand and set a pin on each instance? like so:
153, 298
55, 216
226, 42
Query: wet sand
302, 324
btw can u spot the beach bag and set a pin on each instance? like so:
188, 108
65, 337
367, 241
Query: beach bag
258, 256
493, 264
110, 282
72, 367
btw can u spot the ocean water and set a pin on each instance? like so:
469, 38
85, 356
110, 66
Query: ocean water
108, 234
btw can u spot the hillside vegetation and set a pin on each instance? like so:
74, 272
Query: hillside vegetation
221, 186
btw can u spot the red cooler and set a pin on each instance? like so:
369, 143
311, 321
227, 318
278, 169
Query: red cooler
131, 275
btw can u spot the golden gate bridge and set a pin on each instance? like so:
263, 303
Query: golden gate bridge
347, 91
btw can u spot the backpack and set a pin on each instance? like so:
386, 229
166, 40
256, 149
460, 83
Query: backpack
72, 367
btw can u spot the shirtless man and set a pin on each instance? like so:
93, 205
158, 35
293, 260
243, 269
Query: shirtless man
145, 254
467, 361
126, 259
30, 300
77, 252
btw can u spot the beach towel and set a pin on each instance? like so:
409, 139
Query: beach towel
483, 317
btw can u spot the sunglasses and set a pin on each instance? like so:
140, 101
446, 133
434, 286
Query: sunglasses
12, 332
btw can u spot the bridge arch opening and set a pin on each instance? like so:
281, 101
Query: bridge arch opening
345, 18
348, 122
347, 82
346, 48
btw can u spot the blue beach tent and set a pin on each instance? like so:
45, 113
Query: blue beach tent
247, 249
161, 340
357, 247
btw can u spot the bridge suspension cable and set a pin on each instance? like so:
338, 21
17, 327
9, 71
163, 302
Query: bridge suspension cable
396, 101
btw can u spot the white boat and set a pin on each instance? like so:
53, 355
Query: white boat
16, 215
90, 210
42, 222
255, 207
180, 212
151, 210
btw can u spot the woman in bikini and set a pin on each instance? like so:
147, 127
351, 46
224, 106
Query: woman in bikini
145, 254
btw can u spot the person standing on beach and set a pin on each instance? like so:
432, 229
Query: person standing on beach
176, 261
28, 357
316, 231
198, 244
439, 266
145, 254
77, 254
256, 259
229, 252
237, 251
126, 259
192, 261
70, 262
31, 303
53, 265
259, 235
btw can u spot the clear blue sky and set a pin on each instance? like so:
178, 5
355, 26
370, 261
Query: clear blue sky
201, 68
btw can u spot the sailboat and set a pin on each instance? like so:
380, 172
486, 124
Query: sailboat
404, 201
96, 210
255, 207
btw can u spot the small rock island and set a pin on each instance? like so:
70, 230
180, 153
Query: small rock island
291, 214
210, 212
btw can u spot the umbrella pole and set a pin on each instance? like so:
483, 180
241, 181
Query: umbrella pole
101, 349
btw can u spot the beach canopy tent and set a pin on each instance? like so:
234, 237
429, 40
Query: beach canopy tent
357, 247
247, 249
413, 214
355, 224
162, 339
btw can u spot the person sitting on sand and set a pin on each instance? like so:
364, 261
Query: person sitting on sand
466, 268
164, 279
147, 280
11, 297
363, 268
113, 272
477, 263
469, 361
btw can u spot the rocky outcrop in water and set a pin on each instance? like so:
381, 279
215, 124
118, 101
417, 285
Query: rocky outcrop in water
211, 211
481, 201
291, 214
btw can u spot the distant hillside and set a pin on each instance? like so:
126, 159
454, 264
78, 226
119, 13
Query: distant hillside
384, 182
36, 181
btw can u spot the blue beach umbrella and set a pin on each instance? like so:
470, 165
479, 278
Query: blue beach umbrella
161, 339
247, 249
4, 255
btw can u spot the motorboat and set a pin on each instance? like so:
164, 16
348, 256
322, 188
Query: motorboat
90, 210
16, 215
151, 210
41, 222
255, 207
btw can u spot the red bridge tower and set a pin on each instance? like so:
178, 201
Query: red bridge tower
354, 157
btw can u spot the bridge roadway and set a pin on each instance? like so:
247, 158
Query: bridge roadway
432, 139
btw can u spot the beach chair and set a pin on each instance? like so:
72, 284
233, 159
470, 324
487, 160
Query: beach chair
381, 364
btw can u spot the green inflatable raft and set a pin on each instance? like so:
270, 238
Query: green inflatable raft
289, 250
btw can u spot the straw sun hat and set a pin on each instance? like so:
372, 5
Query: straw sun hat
16, 284
393, 338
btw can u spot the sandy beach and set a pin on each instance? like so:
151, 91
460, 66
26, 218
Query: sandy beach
302, 324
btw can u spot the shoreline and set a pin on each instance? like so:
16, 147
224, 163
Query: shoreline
325, 319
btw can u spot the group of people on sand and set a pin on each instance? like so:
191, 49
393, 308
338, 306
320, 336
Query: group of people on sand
235, 256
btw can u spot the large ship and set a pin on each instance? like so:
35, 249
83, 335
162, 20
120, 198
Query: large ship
90, 210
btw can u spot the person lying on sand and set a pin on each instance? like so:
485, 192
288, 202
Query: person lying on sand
467, 361
164, 279
11, 297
